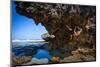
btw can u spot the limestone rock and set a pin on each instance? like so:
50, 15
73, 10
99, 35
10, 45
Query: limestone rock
47, 36
55, 17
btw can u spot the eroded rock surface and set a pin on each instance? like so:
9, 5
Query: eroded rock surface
80, 55
63, 21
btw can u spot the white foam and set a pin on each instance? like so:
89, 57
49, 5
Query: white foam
26, 40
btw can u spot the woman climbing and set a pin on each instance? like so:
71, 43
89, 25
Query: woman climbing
74, 33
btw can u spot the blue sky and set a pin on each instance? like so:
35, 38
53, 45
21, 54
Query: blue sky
25, 28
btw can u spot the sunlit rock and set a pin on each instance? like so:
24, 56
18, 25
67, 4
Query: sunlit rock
55, 59
47, 36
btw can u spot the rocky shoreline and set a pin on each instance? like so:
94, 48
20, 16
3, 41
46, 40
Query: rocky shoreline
79, 55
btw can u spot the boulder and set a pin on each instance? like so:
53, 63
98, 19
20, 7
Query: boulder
47, 36
55, 59
20, 60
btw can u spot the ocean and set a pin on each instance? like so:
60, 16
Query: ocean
36, 49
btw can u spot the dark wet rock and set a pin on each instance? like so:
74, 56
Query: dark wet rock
25, 51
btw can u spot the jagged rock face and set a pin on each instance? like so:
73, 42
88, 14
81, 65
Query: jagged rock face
57, 18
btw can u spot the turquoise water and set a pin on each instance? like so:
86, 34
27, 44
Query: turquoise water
42, 54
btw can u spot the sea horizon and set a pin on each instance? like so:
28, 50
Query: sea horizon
27, 40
